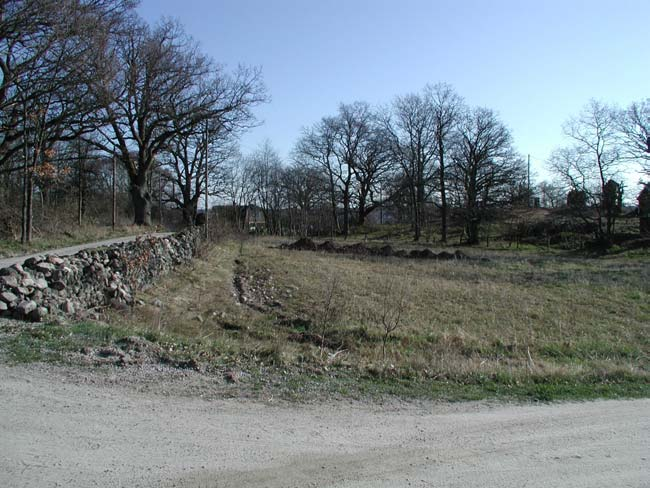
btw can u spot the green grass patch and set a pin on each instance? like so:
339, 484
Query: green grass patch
535, 388
50, 342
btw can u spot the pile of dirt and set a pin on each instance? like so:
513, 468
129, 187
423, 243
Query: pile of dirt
356, 249
422, 254
360, 249
327, 246
386, 251
303, 244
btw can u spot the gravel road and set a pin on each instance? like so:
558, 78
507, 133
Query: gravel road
63, 428
67, 251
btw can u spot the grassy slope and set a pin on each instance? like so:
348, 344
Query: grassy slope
519, 325
547, 327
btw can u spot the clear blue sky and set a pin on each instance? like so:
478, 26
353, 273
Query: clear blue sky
535, 63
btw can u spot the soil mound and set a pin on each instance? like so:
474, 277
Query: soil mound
306, 244
303, 244
461, 255
356, 249
327, 246
385, 251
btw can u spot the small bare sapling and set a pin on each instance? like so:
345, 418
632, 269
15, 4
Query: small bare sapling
392, 311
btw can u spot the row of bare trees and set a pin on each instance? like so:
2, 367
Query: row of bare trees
93, 72
425, 149
291, 199
430, 150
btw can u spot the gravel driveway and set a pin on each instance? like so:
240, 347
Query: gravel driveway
67, 251
62, 428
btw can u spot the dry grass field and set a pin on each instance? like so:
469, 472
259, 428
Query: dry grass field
527, 324
513, 324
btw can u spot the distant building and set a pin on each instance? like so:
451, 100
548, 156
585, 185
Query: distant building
249, 218
386, 215
576, 199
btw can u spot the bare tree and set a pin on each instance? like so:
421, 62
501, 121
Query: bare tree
266, 174
329, 311
350, 150
161, 86
593, 160
352, 128
447, 108
238, 187
391, 311
371, 168
47, 47
485, 166
552, 194
184, 163
634, 124
411, 131
315, 147
306, 194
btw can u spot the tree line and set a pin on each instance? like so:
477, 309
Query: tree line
430, 153
87, 84
424, 149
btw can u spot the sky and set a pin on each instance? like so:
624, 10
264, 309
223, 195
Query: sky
535, 63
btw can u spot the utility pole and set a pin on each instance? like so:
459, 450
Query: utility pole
114, 220
381, 205
206, 180
80, 188
24, 220
528, 194
160, 202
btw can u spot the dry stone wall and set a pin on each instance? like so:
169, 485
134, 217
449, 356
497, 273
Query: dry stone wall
73, 285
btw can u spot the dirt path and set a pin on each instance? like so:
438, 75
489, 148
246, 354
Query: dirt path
58, 429
67, 251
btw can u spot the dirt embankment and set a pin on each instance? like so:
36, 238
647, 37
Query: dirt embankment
62, 427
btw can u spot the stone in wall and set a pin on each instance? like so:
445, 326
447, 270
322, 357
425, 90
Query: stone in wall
51, 285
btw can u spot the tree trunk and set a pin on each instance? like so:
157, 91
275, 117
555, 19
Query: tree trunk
415, 219
114, 191
364, 208
361, 218
141, 204
23, 206
471, 226
335, 219
30, 205
419, 203
417, 229
188, 216
443, 197
80, 196
346, 213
